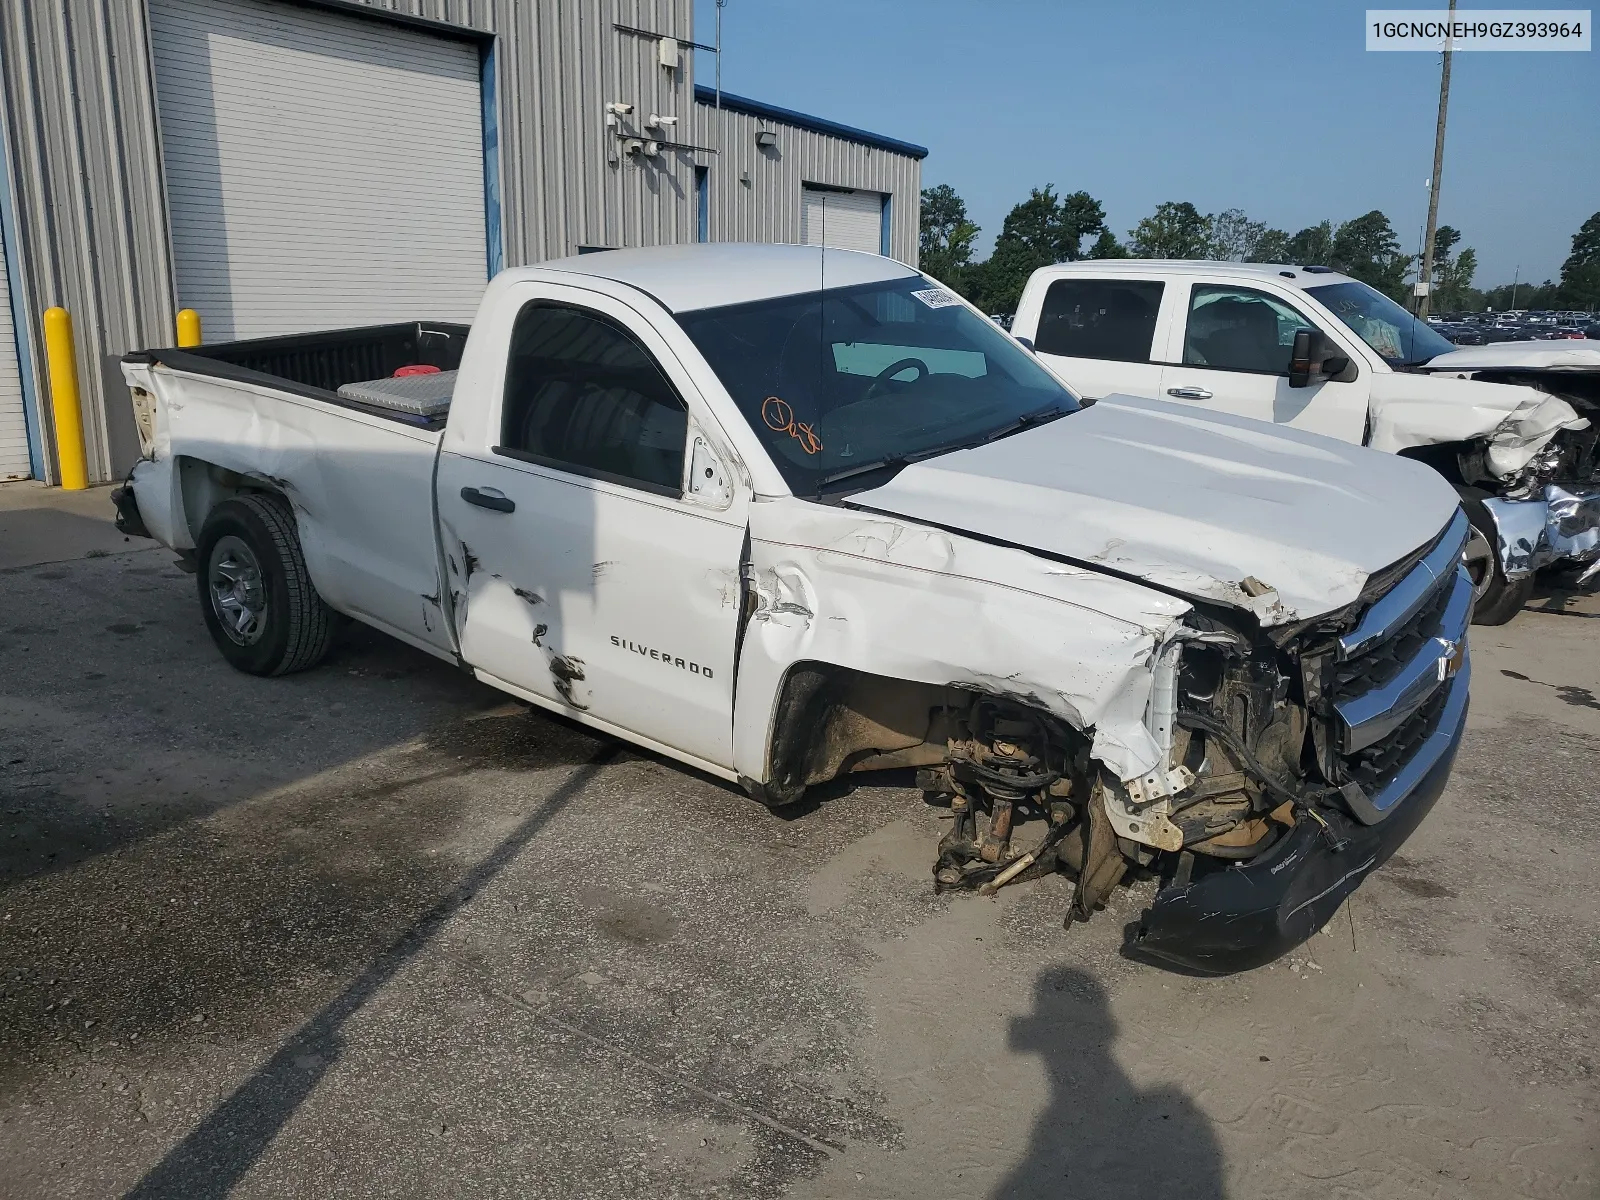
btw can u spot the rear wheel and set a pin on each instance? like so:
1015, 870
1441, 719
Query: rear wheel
1496, 598
260, 605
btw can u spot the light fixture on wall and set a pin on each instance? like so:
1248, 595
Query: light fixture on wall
766, 139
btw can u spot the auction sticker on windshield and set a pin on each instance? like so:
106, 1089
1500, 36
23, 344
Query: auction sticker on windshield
936, 297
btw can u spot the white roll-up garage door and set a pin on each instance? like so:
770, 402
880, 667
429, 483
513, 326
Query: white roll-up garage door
846, 220
13, 426
322, 170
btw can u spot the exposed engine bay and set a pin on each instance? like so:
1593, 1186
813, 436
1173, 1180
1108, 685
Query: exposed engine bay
1287, 745
1242, 770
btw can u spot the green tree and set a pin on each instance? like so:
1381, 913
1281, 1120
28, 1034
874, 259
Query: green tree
1367, 249
1312, 246
1444, 239
1107, 246
1235, 237
1271, 247
1523, 295
1043, 229
945, 245
1453, 290
1580, 274
1175, 230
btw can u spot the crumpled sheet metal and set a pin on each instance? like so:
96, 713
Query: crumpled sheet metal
908, 602
1562, 526
1572, 522
1423, 410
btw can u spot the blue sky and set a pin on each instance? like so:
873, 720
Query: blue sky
1276, 108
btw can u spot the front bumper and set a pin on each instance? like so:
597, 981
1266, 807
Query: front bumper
1247, 915
1561, 526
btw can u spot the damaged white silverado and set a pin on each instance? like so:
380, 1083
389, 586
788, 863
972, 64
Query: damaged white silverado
1511, 426
783, 516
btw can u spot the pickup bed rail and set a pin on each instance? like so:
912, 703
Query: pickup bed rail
317, 365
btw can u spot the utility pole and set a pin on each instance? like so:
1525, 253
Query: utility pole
721, 4
1438, 170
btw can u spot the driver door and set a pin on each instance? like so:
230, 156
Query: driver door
1234, 358
587, 568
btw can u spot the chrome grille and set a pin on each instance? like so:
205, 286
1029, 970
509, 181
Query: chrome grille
1398, 683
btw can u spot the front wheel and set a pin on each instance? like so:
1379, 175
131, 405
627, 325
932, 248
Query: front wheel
1496, 599
260, 605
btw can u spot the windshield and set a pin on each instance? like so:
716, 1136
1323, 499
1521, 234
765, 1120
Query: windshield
841, 382
1399, 337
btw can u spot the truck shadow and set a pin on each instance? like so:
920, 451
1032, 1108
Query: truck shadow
1100, 1134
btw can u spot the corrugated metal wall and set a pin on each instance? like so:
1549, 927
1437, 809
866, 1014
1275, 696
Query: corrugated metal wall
91, 220
768, 209
92, 217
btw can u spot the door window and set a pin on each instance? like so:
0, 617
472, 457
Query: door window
584, 396
1240, 329
1111, 319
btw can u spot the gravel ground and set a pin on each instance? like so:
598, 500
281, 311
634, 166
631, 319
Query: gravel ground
373, 931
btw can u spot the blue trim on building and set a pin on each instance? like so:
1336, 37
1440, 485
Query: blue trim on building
21, 334
888, 224
702, 203
491, 159
771, 112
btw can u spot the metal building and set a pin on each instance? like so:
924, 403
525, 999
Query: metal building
282, 165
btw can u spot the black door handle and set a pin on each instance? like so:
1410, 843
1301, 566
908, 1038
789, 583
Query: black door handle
488, 500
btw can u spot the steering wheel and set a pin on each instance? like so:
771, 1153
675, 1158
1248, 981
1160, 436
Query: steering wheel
893, 369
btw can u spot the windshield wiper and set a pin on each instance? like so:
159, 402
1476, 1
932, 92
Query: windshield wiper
1026, 421
877, 464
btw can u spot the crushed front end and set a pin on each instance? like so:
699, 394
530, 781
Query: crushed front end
1544, 496
1296, 760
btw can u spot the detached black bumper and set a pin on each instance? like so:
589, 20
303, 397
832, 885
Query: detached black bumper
128, 519
1245, 916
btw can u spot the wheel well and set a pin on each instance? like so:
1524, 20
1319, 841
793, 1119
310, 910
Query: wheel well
205, 485
1461, 463
831, 720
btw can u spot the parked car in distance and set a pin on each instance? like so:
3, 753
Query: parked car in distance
1308, 348
784, 534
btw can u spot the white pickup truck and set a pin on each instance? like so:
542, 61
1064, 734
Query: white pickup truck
1512, 426
783, 514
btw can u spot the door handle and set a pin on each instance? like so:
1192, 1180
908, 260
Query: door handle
1189, 393
488, 498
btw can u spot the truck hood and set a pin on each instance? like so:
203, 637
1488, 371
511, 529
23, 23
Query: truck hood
1285, 524
1565, 354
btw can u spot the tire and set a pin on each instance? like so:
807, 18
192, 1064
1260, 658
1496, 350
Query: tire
259, 603
1498, 598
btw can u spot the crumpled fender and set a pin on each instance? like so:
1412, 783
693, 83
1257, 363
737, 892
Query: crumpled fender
906, 601
1423, 410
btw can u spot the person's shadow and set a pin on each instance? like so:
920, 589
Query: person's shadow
1099, 1135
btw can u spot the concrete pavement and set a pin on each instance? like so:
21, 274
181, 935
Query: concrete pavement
372, 931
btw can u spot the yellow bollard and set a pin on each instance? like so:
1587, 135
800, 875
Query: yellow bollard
63, 361
188, 328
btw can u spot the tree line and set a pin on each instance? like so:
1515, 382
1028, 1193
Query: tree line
1048, 228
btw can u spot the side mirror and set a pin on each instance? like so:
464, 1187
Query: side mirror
1026, 343
1314, 357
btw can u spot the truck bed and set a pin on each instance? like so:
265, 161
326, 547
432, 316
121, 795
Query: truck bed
317, 365
267, 413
